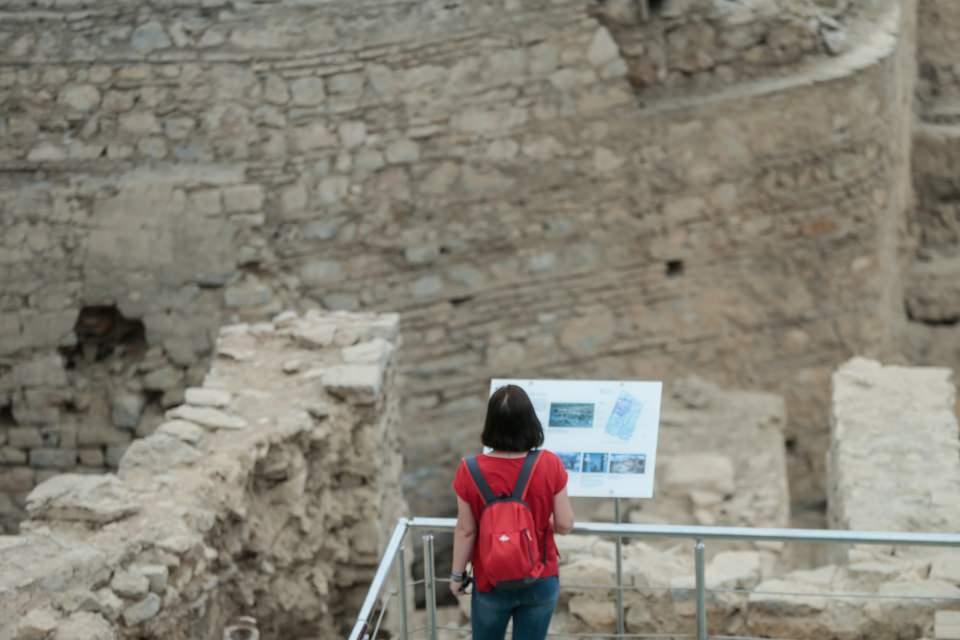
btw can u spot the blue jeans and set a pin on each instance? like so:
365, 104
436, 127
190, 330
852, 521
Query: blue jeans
531, 609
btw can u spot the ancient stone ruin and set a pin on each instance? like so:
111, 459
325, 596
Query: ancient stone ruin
269, 492
721, 194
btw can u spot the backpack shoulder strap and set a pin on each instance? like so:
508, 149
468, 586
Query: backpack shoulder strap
523, 480
474, 468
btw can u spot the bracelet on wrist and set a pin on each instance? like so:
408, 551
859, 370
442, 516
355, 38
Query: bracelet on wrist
456, 576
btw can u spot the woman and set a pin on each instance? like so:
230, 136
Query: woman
511, 430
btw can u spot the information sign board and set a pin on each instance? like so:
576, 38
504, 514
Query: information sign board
605, 432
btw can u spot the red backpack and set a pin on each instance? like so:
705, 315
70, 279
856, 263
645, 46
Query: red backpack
507, 534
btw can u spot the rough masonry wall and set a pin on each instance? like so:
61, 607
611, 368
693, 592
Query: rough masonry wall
270, 492
704, 45
705, 474
487, 169
932, 299
895, 449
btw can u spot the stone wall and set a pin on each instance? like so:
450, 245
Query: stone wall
895, 449
939, 77
705, 475
270, 492
487, 169
932, 301
704, 45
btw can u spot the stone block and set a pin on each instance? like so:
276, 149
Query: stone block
156, 575
170, 398
800, 599
734, 570
115, 454
126, 409
91, 457
97, 434
43, 371
352, 134
181, 351
248, 293
25, 437
109, 604
86, 498
603, 48
346, 83
206, 201
318, 336
207, 417
203, 397
158, 453
150, 36
43, 475
307, 91
186, 431
80, 97
76, 600
16, 480
356, 384
130, 584
403, 151
247, 197
53, 458
38, 624
376, 351
85, 625
143, 610
163, 379
597, 615
867, 425
706, 472
26, 414
11, 456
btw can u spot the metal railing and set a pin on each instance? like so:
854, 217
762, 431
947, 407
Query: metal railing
394, 558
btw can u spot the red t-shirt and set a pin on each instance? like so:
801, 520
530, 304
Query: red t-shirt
548, 479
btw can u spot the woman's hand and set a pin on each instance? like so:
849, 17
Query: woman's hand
456, 588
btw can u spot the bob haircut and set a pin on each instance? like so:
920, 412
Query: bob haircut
511, 423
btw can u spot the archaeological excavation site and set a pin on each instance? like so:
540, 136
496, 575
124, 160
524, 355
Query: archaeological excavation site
260, 260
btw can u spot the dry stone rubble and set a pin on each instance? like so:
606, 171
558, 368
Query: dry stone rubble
268, 492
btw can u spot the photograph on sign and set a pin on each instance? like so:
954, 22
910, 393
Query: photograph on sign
604, 431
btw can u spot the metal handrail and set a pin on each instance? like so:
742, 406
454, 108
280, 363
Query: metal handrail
693, 532
394, 550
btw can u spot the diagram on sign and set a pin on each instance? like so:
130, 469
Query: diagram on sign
624, 417
605, 432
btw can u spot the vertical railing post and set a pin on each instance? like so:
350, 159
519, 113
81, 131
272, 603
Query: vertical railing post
430, 586
621, 626
701, 591
402, 579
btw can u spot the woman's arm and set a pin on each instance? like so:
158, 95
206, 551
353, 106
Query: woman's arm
464, 536
562, 513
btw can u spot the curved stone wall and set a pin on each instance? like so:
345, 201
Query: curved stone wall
487, 169
932, 300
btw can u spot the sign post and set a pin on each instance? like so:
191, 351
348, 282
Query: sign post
621, 626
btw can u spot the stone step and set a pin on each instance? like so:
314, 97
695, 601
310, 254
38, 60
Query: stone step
933, 290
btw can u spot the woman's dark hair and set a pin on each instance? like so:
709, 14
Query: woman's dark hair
511, 424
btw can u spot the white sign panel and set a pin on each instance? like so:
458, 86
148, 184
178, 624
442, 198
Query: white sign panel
605, 431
